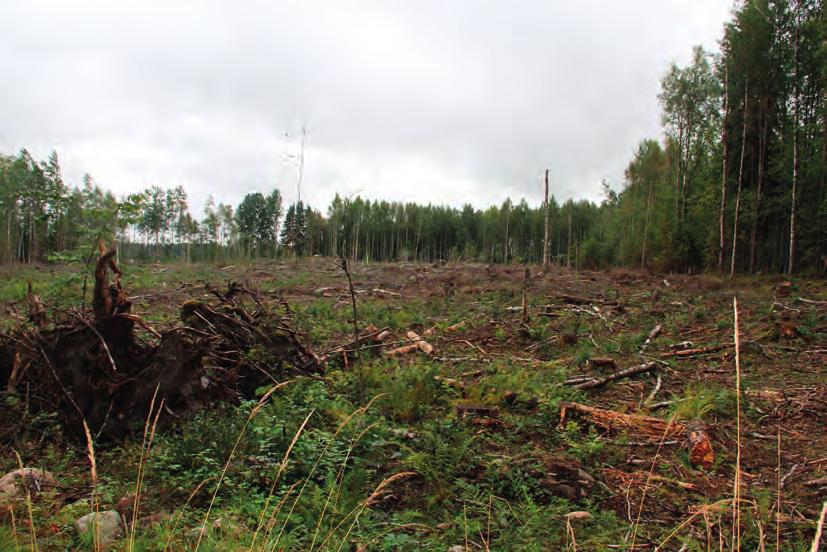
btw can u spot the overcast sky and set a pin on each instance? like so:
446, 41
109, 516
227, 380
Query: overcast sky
430, 101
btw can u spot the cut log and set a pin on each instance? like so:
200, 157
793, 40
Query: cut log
454, 327
699, 445
370, 338
423, 345
637, 424
418, 343
403, 350
602, 362
697, 438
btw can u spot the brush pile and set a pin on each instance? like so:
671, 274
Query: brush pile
96, 368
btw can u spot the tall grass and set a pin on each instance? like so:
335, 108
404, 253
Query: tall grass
29, 509
255, 410
146, 446
736, 484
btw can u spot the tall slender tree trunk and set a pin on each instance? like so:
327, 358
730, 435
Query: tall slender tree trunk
568, 250
725, 168
821, 197
793, 199
685, 170
545, 222
740, 180
762, 150
649, 202
678, 170
505, 244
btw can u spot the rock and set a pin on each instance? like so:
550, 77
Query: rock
106, 525
13, 485
580, 514
457, 548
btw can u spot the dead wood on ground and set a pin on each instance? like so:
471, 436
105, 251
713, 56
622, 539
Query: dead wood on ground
591, 383
694, 432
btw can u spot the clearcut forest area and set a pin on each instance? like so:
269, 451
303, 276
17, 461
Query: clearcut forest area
467, 406
413, 276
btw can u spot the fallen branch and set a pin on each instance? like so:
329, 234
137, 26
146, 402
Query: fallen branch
578, 300
625, 373
683, 353
655, 390
652, 335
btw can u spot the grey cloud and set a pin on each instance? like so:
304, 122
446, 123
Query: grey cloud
429, 101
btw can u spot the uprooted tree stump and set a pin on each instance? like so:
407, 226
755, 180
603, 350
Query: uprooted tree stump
96, 369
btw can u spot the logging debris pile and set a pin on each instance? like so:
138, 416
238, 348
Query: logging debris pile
95, 368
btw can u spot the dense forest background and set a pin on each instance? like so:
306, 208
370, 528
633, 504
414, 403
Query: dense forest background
737, 184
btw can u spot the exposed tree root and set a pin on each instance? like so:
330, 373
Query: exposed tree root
95, 369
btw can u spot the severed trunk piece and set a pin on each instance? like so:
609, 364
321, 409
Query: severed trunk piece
37, 313
697, 438
699, 444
